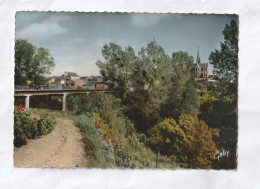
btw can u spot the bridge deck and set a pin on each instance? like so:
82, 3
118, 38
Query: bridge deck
25, 92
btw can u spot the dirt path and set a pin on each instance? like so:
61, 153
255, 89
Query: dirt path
63, 147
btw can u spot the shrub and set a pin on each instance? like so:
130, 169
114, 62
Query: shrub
26, 127
114, 140
189, 142
84, 103
140, 109
98, 144
168, 138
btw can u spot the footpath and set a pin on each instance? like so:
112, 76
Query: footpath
63, 147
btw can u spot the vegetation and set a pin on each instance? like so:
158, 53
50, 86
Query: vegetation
26, 127
31, 64
223, 112
157, 90
84, 104
115, 142
157, 115
189, 141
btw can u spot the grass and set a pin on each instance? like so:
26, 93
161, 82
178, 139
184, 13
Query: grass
53, 113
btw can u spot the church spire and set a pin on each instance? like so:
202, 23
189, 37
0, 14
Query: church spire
198, 61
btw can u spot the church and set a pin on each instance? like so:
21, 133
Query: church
200, 69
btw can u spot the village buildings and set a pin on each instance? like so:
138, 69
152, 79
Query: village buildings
71, 80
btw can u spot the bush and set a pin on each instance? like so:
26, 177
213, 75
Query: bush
84, 104
189, 141
114, 140
141, 110
98, 144
26, 127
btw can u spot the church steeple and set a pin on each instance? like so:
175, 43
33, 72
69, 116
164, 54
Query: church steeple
198, 61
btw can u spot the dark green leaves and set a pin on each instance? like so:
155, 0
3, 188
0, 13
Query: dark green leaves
31, 64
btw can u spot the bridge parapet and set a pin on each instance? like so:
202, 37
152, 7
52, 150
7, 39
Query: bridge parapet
27, 92
29, 88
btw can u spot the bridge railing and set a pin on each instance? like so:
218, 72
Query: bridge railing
39, 88
44, 88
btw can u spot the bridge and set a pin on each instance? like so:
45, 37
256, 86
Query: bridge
27, 92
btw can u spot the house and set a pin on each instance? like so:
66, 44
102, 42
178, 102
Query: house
75, 84
200, 69
70, 76
70, 84
79, 83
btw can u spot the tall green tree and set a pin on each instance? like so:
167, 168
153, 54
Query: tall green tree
222, 113
152, 72
117, 66
182, 96
150, 80
225, 61
31, 64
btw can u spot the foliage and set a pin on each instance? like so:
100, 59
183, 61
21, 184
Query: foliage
189, 142
26, 127
84, 103
117, 66
101, 152
114, 140
31, 64
168, 137
154, 85
152, 67
46, 102
225, 61
141, 111
223, 113
182, 95
201, 148
153, 90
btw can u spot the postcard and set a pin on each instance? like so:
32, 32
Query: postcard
126, 90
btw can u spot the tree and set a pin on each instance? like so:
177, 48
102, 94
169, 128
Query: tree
117, 66
182, 98
201, 147
190, 141
225, 61
223, 112
31, 64
151, 73
141, 81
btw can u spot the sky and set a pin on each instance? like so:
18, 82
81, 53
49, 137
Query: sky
75, 39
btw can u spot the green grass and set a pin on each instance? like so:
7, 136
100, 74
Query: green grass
52, 113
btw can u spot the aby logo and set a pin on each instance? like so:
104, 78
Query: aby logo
221, 154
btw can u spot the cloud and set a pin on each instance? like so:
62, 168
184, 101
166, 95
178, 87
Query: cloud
38, 26
23, 19
43, 30
146, 20
102, 41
